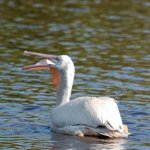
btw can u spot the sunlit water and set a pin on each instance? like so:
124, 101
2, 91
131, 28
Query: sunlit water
109, 44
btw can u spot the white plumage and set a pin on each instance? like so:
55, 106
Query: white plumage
90, 111
94, 116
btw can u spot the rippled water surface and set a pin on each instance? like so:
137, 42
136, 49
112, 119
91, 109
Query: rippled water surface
109, 44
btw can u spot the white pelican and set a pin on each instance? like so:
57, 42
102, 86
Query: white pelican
91, 116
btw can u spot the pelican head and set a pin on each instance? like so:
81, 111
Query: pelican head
62, 69
62, 63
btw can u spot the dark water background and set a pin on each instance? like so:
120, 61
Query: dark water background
109, 42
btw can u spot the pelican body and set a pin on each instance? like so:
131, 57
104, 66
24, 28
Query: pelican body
83, 116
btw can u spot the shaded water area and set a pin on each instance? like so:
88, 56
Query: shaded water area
109, 44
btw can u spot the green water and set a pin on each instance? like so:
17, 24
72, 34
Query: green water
109, 44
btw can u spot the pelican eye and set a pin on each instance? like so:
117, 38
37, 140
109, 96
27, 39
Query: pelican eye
57, 58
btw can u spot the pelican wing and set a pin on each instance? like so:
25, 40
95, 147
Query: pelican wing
89, 111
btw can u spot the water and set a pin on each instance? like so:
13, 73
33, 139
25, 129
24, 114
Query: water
109, 44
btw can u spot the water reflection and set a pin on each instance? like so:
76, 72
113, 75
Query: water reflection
109, 44
87, 143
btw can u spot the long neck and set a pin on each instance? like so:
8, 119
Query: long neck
65, 87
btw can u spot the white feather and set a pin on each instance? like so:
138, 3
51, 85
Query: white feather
84, 115
90, 111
